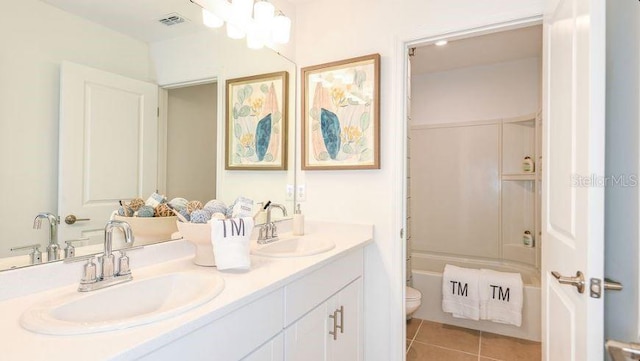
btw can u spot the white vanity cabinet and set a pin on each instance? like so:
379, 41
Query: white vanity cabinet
290, 323
332, 330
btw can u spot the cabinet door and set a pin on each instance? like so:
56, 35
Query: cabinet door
270, 351
348, 345
306, 339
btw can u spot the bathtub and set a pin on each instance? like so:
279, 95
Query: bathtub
427, 277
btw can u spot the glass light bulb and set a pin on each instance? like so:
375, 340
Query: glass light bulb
254, 37
234, 31
210, 20
281, 29
263, 12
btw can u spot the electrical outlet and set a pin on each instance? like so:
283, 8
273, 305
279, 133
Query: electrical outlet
301, 193
289, 196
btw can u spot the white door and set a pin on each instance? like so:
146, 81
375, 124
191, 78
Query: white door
573, 152
108, 146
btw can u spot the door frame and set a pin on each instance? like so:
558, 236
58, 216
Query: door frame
402, 45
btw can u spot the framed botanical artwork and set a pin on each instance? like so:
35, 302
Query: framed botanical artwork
341, 114
256, 122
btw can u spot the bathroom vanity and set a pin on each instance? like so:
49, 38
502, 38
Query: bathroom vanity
294, 308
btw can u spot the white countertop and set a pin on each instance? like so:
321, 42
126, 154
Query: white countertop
241, 288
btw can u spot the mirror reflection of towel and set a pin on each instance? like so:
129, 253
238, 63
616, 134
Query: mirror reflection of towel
230, 240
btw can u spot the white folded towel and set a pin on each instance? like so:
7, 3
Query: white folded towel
501, 296
230, 240
460, 292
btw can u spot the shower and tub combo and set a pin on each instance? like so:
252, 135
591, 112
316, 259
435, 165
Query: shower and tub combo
475, 174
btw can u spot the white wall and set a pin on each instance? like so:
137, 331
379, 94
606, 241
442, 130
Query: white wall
621, 203
455, 192
330, 30
212, 55
192, 142
485, 92
36, 38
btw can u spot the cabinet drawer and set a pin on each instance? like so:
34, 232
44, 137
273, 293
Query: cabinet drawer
230, 337
306, 293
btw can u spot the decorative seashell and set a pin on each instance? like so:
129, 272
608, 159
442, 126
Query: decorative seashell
145, 211
216, 206
125, 211
200, 216
186, 214
218, 216
163, 210
136, 203
194, 206
179, 203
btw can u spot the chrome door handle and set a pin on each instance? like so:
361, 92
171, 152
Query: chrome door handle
621, 351
71, 219
341, 327
577, 281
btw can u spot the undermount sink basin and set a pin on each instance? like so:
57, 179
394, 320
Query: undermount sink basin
294, 247
126, 305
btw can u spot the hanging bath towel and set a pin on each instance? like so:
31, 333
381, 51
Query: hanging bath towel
501, 296
460, 292
230, 240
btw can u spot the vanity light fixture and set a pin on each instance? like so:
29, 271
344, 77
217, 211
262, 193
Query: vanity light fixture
263, 28
441, 43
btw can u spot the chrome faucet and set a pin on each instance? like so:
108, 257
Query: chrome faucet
53, 249
108, 276
269, 230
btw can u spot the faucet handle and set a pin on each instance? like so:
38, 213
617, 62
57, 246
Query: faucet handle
123, 263
89, 272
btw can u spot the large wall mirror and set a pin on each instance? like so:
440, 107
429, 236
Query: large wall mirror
161, 42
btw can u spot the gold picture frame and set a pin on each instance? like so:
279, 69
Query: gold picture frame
256, 122
341, 114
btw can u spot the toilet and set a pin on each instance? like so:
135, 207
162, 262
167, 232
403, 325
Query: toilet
412, 300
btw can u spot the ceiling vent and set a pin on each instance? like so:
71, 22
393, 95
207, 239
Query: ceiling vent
172, 19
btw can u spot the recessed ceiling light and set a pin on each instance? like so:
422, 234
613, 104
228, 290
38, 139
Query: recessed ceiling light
441, 43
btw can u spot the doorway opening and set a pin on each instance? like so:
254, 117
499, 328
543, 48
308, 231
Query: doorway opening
191, 141
473, 146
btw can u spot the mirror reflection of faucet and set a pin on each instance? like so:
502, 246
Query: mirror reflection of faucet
109, 276
53, 249
70, 250
35, 256
269, 230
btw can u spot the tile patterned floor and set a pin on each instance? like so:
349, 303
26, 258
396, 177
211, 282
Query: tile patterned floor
430, 341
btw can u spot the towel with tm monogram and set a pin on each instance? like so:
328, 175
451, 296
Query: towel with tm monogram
230, 239
501, 297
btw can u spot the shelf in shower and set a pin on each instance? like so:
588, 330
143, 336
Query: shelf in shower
519, 177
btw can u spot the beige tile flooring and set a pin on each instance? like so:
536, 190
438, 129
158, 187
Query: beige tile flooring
430, 341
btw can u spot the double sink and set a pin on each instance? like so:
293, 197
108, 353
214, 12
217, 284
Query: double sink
150, 299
